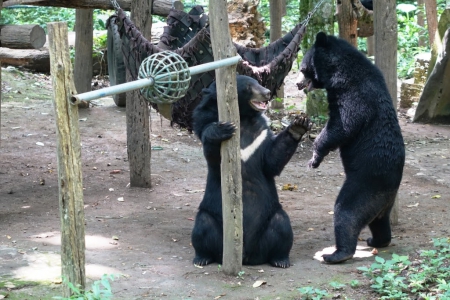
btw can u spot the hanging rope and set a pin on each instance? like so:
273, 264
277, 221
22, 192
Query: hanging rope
311, 13
115, 5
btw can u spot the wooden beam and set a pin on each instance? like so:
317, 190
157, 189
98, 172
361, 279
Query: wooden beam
70, 184
159, 7
227, 103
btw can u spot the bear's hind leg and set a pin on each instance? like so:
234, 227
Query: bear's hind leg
278, 240
351, 214
207, 239
381, 232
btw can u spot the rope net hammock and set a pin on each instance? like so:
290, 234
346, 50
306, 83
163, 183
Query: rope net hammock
187, 34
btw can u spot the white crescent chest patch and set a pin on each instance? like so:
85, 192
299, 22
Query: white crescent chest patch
250, 149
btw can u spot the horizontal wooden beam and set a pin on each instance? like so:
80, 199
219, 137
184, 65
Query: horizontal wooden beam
160, 7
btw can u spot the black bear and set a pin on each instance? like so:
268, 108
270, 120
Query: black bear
267, 229
363, 124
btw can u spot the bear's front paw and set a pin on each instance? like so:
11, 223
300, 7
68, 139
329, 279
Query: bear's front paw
299, 126
315, 161
220, 131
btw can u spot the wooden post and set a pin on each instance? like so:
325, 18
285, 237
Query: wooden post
230, 151
82, 70
276, 15
70, 184
385, 23
138, 115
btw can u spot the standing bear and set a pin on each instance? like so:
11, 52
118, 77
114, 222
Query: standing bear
363, 125
267, 229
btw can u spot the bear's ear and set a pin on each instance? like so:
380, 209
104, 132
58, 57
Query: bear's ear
321, 39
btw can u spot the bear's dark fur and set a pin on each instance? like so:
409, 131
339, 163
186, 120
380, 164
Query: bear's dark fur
267, 230
363, 125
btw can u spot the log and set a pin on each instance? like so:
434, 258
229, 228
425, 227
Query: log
160, 7
39, 60
30, 36
32, 59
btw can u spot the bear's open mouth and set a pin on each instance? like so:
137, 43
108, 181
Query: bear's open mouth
259, 105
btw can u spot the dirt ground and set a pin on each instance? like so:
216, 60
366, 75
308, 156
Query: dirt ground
144, 234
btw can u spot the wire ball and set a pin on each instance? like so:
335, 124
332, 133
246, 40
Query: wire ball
171, 76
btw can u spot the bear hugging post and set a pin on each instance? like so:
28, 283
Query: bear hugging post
267, 229
363, 125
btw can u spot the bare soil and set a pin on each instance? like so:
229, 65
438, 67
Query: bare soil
144, 234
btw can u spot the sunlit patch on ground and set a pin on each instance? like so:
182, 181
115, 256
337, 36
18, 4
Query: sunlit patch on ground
361, 252
93, 242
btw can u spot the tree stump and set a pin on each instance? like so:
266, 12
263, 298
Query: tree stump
246, 27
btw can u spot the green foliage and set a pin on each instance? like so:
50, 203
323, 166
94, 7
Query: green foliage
426, 277
241, 275
337, 286
43, 15
310, 293
100, 290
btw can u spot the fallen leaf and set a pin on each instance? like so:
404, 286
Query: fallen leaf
310, 229
436, 197
115, 172
120, 199
258, 283
220, 296
8, 237
331, 212
115, 237
289, 187
374, 251
261, 271
40, 144
413, 205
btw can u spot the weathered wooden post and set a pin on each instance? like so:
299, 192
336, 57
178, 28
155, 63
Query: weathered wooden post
82, 69
230, 151
277, 11
71, 204
385, 24
138, 113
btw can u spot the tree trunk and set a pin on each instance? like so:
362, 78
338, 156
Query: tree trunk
347, 21
385, 22
138, 115
276, 15
421, 21
22, 36
70, 183
432, 20
1, 4
83, 50
227, 102
160, 7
